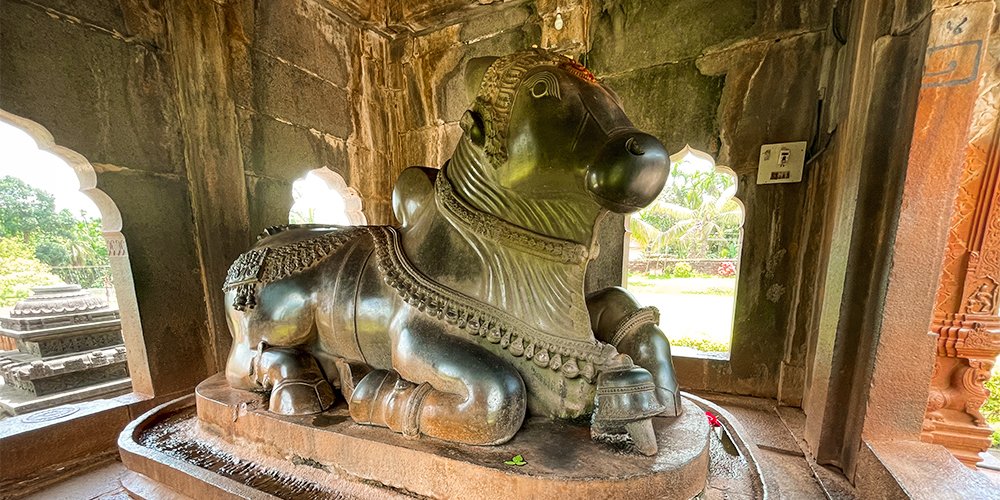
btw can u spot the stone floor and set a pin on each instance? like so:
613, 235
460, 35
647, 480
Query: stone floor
100, 483
788, 472
773, 430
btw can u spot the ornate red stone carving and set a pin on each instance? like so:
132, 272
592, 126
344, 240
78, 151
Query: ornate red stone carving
968, 297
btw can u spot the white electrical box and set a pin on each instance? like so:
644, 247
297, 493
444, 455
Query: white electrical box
781, 163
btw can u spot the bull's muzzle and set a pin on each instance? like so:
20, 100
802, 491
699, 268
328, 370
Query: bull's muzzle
628, 172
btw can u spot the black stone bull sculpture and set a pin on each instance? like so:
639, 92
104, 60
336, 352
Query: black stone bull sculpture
472, 313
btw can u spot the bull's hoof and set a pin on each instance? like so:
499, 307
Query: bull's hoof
643, 436
301, 397
350, 375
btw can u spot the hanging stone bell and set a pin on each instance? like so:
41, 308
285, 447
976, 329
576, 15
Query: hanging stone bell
626, 399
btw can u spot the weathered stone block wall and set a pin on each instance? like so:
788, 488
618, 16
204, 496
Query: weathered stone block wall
98, 77
727, 77
430, 70
308, 84
198, 117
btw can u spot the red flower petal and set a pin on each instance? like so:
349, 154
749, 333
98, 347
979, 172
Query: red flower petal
713, 420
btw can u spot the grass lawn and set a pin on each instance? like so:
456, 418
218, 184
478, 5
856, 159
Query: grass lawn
695, 313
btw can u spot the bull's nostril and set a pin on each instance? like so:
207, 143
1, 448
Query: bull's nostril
633, 147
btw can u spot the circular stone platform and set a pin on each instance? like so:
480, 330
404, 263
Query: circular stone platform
333, 453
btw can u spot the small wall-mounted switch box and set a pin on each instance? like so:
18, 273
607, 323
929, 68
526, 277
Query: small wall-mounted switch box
781, 163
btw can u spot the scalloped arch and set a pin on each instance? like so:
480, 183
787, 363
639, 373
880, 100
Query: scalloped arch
722, 169
657, 263
111, 225
353, 204
111, 218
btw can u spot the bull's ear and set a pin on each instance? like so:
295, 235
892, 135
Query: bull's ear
475, 69
473, 126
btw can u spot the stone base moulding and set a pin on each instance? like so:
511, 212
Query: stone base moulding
16, 402
222, 443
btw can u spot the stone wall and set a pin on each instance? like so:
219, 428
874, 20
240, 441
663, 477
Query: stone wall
726, 77
308, 85
98, 76
654, 266
430, 69
198, 117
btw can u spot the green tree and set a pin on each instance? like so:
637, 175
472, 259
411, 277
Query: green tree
87, 246
649, 237
991, 408
84, 245
52, 252
73, 246
698, 227
20, 271
694, 217
26, 211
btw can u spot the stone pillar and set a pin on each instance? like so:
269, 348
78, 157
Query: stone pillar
896, 193
212, 155
966, 310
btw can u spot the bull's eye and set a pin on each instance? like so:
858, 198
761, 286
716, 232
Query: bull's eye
542, 84
540, 89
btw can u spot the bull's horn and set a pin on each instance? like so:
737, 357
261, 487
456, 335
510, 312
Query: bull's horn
475, 70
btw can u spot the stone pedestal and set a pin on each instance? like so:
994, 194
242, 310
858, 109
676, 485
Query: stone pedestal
229, 446
69, 348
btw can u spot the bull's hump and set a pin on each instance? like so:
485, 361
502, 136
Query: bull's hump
414, 187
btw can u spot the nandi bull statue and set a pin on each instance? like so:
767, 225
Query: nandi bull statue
471, 314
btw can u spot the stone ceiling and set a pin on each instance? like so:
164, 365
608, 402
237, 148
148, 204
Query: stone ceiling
395, 17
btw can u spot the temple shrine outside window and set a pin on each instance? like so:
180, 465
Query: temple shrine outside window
61, 339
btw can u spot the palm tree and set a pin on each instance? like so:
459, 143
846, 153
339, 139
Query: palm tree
696, 227
647, 236
695, 209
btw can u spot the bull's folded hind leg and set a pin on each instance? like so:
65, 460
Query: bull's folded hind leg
382, 398
296, 382
445, 388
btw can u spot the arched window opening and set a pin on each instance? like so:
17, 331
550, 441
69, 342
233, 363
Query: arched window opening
323, 197
684, 254
65, 285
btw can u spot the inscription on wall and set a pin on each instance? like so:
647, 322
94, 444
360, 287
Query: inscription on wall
953, 64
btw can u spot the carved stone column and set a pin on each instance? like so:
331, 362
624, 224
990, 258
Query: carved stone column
968, 296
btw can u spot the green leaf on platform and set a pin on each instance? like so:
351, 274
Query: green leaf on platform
517, 460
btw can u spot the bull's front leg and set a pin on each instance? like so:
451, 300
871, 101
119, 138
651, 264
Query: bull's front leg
294, 379
440, 386
618, 319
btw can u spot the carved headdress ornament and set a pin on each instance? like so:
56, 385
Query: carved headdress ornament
500, 84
